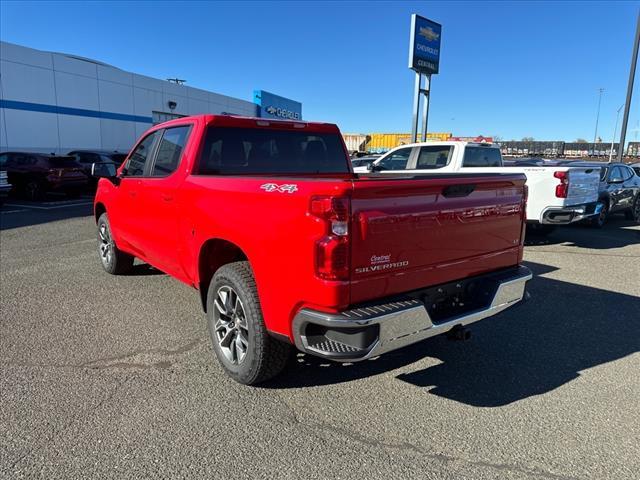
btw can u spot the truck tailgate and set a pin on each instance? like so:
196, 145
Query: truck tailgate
409, 232
583, 185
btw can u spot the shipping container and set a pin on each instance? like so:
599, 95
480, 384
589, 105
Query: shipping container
355, 142
383, 142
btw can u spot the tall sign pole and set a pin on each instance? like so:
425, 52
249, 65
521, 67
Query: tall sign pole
424, 59
627, 105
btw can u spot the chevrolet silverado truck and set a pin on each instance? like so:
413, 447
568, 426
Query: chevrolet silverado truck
558, 195
287, 247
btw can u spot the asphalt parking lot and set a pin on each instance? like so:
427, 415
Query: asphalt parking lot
109, 377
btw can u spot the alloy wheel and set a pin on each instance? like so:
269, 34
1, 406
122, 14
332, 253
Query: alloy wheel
230, 325
105, 244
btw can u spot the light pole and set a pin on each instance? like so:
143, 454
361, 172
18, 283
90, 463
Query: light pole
632, 76
595, 135
615, 129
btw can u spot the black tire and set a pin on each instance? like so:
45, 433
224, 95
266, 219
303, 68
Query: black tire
33, 190
633, 213
601, 219
113, 260
263, 356
73, 193
539, 229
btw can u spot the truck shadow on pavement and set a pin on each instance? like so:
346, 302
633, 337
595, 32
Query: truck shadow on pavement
612, 235
529, 350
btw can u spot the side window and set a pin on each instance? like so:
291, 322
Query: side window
397, 160
616, 175
627, 173
3, 159
140, 156
433, 157
170, 151
482, 157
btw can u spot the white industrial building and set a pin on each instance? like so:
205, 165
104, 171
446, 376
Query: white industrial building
56, 102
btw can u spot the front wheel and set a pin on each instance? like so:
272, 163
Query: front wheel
113, 260
240, 339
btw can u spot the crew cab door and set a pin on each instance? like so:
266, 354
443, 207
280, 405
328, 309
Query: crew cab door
125, 212
615, 187
158, 203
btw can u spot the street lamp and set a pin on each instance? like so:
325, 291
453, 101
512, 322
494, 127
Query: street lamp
595, 135
615, 129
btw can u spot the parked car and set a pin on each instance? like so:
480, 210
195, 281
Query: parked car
636, 168
558, 195
288, 247
5, 186
619, 191
35, 174
86, 158
364, 161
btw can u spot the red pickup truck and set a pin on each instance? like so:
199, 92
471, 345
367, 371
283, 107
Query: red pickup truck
287, 246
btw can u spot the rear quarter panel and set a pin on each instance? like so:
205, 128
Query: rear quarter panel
275, 232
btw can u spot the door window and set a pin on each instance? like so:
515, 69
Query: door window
433, 157
616, 175
627, 173
396, 160
141, 155
170, 151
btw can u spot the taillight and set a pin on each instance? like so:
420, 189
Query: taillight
332, 250
562, 190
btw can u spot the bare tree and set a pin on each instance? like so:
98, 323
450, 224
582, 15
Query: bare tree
528, 139
581, 140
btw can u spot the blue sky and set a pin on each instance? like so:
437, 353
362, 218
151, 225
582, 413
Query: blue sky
511, 69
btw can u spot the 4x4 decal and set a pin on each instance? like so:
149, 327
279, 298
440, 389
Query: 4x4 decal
284, 188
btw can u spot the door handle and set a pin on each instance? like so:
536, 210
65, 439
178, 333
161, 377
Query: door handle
454, 191
167, 198
132, 193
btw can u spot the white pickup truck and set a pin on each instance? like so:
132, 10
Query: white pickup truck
557, 195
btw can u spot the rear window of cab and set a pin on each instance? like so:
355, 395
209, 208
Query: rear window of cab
246, 151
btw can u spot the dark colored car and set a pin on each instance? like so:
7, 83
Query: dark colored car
364, 161
619, 191
35, 174
85, 158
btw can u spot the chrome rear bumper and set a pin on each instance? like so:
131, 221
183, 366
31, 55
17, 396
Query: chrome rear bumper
374, 329
570, 214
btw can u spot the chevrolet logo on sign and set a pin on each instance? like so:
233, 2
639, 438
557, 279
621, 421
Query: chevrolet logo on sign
282, 112
429, 34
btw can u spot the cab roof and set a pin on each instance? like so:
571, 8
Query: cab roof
254, 122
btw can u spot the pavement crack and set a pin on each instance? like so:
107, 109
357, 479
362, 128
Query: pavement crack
314, 427
140, 359
154, 358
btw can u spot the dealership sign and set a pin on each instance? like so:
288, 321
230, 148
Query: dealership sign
275, 106
424, 45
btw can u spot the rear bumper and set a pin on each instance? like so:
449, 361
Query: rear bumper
569, 214
376, 328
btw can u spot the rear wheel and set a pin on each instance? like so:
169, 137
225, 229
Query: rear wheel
240, 340
634, 213
33, 190
601, 219
540, 229
113, 260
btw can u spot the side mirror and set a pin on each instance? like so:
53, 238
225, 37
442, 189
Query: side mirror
108, 170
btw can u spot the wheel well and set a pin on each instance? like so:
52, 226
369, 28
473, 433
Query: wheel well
214, 254
99, 210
